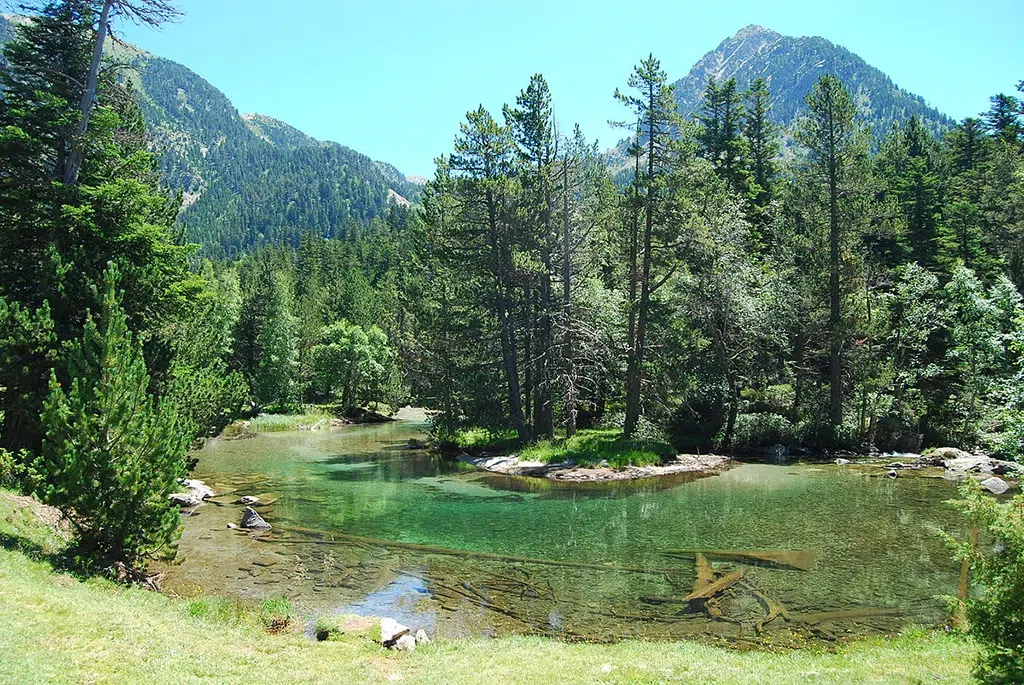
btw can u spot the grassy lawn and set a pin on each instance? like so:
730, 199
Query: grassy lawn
60, 629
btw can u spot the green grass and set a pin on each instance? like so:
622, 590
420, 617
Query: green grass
477, 439
591, 447
277, 423
60, 629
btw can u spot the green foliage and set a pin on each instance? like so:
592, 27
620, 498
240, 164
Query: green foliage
112, 453
591, 447
996, 616
351, 364
762, 430
475, 438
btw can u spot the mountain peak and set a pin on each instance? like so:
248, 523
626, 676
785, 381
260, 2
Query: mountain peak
752, 30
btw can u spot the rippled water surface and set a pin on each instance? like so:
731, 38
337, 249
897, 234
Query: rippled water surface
469, 544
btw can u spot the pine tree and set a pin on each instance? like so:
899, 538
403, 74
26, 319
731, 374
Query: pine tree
762, 137
531, 126
655, 111
828, 131
112, 453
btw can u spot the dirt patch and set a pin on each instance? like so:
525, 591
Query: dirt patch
45, 513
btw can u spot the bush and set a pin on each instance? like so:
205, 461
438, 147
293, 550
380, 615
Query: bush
996, 617
475, 438
822, 435
761, 430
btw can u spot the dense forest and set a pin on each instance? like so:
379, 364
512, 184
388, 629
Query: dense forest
860, 294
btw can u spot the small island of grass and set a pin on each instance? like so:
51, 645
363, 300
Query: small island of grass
596, 454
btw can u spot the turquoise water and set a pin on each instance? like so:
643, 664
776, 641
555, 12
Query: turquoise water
876, 540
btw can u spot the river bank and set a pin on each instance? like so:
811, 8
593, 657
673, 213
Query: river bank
571, 472
58, 629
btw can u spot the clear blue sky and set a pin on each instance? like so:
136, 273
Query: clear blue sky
393, 78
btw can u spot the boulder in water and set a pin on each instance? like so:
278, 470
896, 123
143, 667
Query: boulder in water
943, 453
198, 487
997, 486
250, 519
248, 499
186, 500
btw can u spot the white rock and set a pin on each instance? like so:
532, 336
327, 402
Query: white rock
231, 525
185, 499
843, 462
997, 486
391, 630
249, 499
199, 488
250, 519
893, 473
421, 637
406, 643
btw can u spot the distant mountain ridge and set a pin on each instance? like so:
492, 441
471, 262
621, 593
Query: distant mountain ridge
791, 66
248, 179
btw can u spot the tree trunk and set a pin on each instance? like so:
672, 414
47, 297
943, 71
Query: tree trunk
835, 361
74, 163
509, 353
567, 341
634, 378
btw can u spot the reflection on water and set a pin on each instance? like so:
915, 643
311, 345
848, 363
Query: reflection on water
336, 498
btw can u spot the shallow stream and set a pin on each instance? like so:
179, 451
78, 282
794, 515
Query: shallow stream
470, 543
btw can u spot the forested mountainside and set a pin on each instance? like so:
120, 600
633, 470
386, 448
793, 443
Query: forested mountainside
248, 180
790, 66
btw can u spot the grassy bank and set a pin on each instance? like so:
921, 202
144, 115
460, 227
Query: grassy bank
588, 447
60, 629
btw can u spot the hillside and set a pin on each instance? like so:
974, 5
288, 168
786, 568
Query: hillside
249, 179
791, 65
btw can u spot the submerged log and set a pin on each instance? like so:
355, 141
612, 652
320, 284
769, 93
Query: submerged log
720, 585
824, 616
799, 559
705, 572
346, 539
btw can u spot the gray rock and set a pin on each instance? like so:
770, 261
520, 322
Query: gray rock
421, 637
185, 499
948, 453
972, 464
391, 630
843, 462
249, 499
406, 643
250, 519
997, 486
